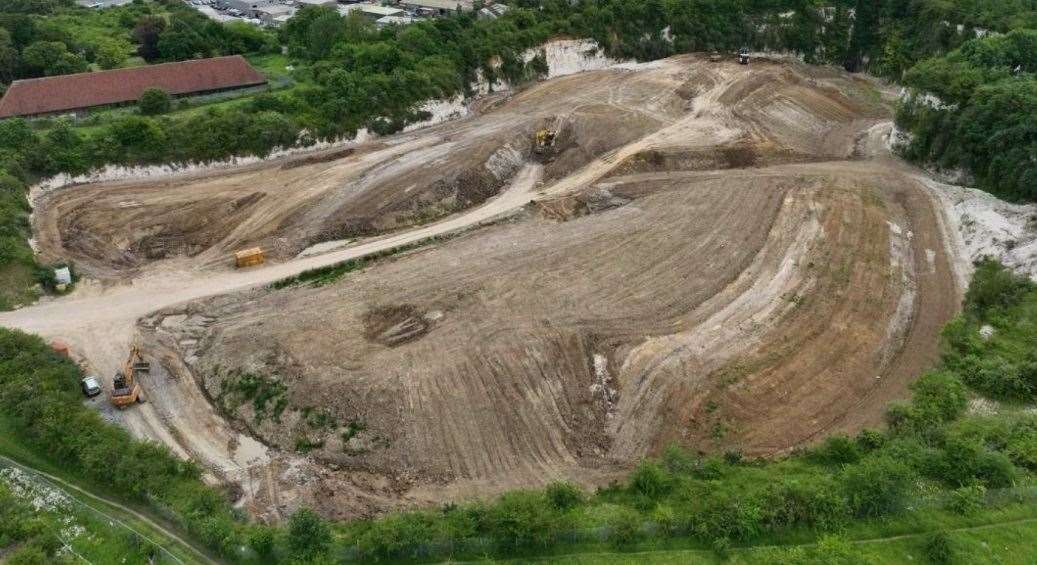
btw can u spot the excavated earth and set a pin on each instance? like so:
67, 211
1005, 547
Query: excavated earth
717, 256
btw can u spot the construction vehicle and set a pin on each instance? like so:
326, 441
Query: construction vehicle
125, 388
249, 257
545, 138
743, 56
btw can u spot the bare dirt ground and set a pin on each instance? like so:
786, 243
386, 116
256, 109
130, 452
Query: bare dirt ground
720, 256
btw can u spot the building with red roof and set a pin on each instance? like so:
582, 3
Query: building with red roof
82, 91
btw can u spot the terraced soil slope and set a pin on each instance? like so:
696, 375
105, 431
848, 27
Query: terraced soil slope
720, 256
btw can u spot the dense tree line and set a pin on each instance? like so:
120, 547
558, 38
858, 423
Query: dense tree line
975, 109
355, 75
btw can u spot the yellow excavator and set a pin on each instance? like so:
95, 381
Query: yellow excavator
125, 388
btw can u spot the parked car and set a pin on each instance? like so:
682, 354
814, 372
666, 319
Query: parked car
91, 386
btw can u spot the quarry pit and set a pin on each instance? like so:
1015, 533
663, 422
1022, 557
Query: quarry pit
717, 256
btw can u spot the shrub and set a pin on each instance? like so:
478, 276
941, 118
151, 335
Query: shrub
993, 287
877, 485
966, 500
870, 440
624, 528
262, 540
712, 468
834, 550
666, 519
564, 495
650, 480
963, 461
938, 549
816, 502
154, 101
308, 535
679, 461
28, 555
829, 550
939, 397
737, 517
392, 536
1021, 443
899, 416
995, 377
523, 519
722, 548
838, 450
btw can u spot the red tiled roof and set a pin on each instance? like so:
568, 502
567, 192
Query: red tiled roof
86, 90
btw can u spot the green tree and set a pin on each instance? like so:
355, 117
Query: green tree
146, 33
309, 536
994, 287
314, 31
877, 485
865, 34
241, 37
63, 150
29, 555
262, 541
938, 549
523, 519
138, 139
182, 40
51, 58
650, 480
111, 54
564, 495
9, 59
154, 101
624, 527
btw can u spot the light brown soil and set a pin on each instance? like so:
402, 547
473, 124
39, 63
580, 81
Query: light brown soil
112, 230
717, 256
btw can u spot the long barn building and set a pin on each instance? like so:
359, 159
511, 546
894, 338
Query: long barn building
78, 92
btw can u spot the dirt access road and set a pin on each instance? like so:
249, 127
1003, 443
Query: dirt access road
718, 256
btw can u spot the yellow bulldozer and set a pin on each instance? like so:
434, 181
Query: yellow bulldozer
125, 388
544, 138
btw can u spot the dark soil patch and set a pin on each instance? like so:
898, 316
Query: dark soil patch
395, 325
